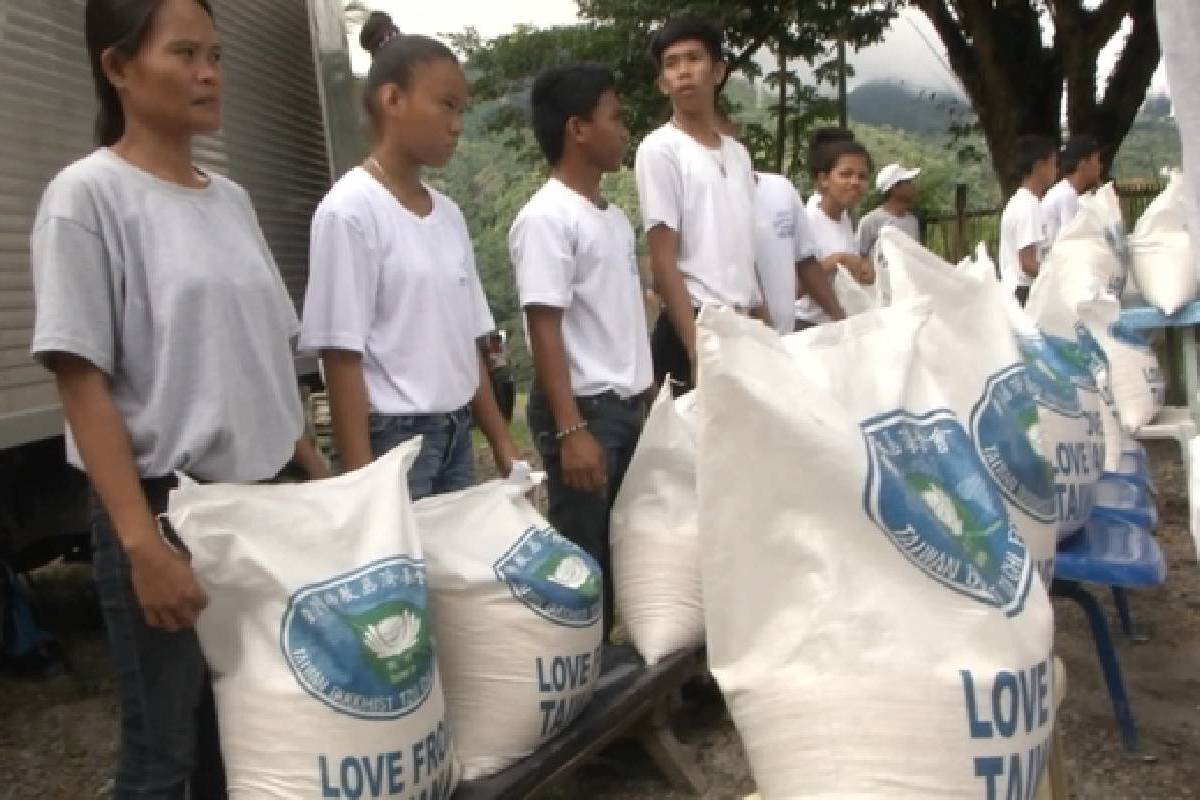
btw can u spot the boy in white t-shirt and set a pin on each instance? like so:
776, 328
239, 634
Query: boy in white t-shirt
578, 282
1022, 229
696, 191
1081, 167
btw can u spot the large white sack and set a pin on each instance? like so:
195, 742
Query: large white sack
854, 297
1080, 285
318, 635
1161, 248
1075, 419
517, 612
1014, 434
654, 537
873, 617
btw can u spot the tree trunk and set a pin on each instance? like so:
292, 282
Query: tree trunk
781, 119
1015, 83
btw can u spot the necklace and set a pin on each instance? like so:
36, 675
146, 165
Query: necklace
373, 162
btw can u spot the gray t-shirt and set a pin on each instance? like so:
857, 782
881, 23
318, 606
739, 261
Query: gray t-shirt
876, 220
172, 292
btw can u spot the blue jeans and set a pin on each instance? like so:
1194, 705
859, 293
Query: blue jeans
446, 462
583, 517
168, 721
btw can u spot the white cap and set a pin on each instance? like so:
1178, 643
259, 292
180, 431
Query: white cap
892, 174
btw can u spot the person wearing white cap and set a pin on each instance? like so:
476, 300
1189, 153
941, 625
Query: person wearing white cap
895, 184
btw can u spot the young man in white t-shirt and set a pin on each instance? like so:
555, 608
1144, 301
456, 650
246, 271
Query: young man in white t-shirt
578, 282
696, 191
1022, 229
1081, 167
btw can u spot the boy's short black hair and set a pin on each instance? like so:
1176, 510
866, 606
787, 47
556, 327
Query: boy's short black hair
820, 138
1079, 147
1033, 148
686, 28
827, 155
559, 93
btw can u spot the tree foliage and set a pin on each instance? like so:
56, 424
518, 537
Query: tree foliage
617, 33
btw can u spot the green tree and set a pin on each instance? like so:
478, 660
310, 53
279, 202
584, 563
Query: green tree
1015, 77
617, 33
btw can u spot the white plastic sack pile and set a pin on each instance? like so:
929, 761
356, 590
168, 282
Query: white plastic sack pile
517, 613
654, 537
1074, 419
319, 637
1163, 259
1015, 439
1079, 287
874, 619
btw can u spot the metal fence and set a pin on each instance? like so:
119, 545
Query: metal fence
954, 236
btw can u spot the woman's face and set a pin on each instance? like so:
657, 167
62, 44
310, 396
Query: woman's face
846, 183
173, 83
425, 118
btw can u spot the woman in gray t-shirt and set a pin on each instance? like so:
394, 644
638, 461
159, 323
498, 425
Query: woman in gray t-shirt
165, 321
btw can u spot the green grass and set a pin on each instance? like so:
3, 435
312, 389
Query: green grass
519, 429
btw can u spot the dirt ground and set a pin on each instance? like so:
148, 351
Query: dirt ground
58, 736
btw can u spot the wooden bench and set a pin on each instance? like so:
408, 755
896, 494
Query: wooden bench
631, 700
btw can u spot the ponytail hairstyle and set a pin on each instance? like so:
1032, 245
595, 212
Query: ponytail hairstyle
393, 56
122, 26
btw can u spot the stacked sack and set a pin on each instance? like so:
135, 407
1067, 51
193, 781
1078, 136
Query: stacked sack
1163, 258
1077, 300
319, 637
517, 615
873, 612
655, 538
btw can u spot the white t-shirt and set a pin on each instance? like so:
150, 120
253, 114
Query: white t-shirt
782, 239
1058, 209
399, 289
829, 236
570, 254
707, 196
1021, 225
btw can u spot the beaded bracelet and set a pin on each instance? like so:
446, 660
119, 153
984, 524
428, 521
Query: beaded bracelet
576, 428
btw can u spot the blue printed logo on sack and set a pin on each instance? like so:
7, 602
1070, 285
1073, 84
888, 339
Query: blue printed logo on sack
931, 495
1007, 431
361, 642
554, 577
1050, 375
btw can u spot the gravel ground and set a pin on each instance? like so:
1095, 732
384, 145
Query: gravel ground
57, 737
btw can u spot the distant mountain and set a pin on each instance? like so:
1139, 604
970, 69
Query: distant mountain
922, 111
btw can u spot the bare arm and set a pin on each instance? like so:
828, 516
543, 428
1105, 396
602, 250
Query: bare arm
309, 460
814, 279
668, 282
583, 462
491, 422
1029, 260
348, 406
162, 580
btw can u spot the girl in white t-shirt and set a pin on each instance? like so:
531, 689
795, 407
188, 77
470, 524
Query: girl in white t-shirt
842, 167
394, 304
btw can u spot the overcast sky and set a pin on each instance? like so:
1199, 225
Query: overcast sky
910, 52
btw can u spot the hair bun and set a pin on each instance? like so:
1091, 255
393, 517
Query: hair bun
377, 31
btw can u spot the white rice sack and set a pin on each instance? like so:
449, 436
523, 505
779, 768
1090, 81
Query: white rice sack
1080, 286
854, 297
1161, 249
874, 620
654, 537
1014, 436
517, 612
319, 637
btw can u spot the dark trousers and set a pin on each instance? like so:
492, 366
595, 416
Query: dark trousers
168, 718
583, 517
670, 357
